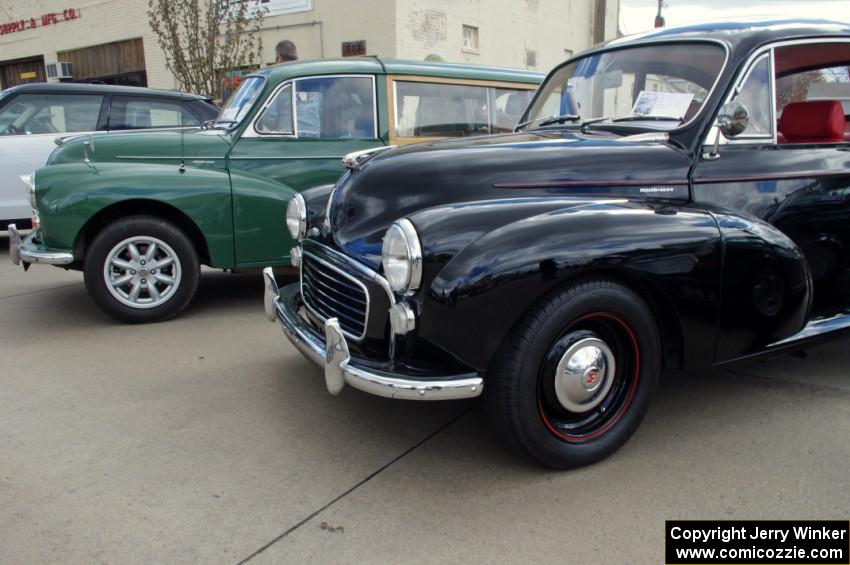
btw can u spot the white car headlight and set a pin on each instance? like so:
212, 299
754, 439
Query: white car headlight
29, 181
402, 257
296, 217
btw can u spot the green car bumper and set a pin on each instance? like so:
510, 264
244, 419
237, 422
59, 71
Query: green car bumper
29, 250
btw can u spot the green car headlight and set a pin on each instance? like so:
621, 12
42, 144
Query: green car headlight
29, 181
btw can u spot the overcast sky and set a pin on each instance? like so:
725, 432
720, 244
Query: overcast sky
639, 15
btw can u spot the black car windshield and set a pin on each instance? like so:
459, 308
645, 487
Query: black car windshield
240, 102
661, 86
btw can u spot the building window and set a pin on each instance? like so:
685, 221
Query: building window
470, 38
530, 58
280, 7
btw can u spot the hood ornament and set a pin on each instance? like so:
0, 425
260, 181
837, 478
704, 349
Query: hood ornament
354, 160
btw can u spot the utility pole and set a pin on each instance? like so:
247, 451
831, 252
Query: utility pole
659, 19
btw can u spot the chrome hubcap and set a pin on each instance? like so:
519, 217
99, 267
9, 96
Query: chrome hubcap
142, 272
584, 375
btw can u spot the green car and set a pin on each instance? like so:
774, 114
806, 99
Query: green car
140, 212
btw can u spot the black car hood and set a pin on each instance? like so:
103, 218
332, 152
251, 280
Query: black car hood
409, 179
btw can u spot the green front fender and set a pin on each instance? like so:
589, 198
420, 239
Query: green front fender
71, 195
259, 220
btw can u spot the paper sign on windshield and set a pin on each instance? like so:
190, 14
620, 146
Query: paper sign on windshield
673, 104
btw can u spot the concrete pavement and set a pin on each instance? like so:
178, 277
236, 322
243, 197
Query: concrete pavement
209, 439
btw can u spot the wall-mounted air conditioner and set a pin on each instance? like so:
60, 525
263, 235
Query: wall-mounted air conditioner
59, 70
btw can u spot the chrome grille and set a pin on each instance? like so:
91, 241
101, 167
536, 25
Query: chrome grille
330, 292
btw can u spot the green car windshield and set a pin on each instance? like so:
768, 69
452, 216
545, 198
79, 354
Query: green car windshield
664, 85
240, 102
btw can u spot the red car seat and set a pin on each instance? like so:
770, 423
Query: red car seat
817, 121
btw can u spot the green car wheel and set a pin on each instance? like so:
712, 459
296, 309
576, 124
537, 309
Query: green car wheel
141, 269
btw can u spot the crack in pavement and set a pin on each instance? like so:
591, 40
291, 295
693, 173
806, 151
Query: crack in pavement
39, 291
357, 485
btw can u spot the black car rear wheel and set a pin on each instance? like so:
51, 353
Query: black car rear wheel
575, 377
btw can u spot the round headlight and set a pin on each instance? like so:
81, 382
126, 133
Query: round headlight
296, 217
402, 257
29, 181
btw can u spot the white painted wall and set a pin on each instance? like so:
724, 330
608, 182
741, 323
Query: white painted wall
509, 30
334, 21
405, 29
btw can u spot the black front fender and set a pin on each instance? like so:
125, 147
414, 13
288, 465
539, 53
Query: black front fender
316, 200
668, 253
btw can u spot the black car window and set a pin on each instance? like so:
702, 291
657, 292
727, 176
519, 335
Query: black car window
661, 86
140, 113
814, 78
755, 95
31, 114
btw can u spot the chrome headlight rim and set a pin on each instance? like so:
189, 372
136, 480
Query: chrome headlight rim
296, 217
409, 283
29, 182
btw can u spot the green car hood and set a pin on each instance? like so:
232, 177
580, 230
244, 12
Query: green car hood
198, 147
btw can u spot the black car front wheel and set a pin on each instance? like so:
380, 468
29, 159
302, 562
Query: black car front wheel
141, 269
575, 377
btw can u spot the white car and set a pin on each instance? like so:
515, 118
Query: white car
34, 116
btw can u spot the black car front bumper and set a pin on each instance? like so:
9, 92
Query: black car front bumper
341, 367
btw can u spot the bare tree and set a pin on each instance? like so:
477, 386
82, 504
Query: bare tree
206, 40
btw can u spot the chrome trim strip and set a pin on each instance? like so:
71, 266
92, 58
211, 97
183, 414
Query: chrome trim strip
314, 257
19, 251
774, 119
340, 367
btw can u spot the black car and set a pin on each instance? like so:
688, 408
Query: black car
676, 199
33, 116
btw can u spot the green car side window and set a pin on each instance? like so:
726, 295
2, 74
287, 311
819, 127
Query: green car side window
277, 117
340, 107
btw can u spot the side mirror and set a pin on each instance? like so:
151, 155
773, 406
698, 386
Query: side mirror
732, 121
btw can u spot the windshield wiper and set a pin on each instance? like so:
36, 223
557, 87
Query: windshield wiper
551, 120
560, 119
590, 122
647, 117
215, 123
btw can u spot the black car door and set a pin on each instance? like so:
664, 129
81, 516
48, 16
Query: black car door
790, 168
